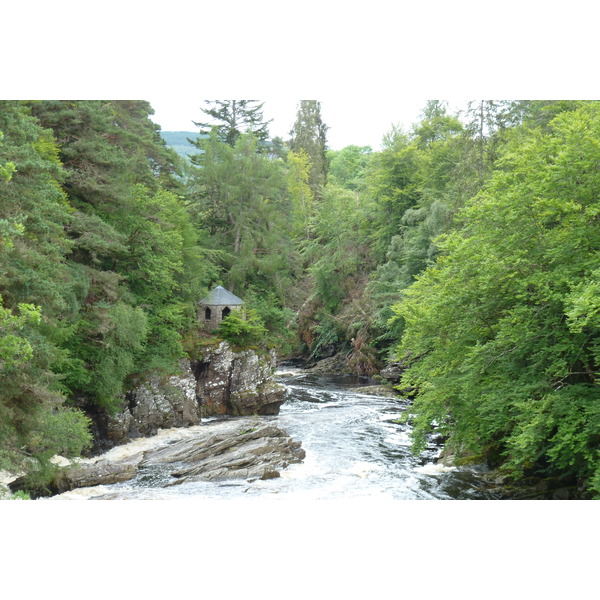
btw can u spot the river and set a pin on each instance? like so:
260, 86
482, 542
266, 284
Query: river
354, 449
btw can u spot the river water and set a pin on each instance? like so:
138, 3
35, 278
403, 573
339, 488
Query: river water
354, 449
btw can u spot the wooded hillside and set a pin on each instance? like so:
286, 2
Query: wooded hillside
466, 247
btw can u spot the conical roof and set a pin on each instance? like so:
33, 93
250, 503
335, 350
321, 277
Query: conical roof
221, 297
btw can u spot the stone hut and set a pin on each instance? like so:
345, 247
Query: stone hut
216, 306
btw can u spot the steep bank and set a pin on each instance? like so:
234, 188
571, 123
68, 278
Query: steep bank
217, 380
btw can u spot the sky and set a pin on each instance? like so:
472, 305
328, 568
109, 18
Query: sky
360, 122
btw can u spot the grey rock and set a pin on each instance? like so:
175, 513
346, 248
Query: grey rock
393, 371
334, 365
102, 472
377, 390
237, 383
157, 403
258, 453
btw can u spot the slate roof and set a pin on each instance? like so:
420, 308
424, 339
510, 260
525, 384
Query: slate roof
221, 297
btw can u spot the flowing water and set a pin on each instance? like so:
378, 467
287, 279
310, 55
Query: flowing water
354, 449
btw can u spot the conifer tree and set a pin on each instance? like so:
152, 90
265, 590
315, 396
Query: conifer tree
231, 118
37, 291
309, 133
130, 238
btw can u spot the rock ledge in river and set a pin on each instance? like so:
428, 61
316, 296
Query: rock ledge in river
240, 448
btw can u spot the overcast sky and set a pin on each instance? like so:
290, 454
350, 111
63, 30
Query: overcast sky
358, 122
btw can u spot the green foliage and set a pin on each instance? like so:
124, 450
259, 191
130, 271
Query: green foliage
229, 119
504, 328
309, 134
135, 252
392, 187
35, 284
8, 168
240, 196
20, 495
64, 431
327, 336
347, 167
108, 341
242, 332
300, 192
276, 318
341, 252
14, 348
93, 230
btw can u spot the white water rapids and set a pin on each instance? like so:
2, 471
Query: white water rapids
354, 449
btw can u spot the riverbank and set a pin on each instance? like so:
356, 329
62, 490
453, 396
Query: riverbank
245, 448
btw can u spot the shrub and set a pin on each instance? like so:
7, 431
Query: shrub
242, 332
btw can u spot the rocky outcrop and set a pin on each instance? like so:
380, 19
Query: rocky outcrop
247, 448
236, 383
220, 381
157, 403
393, 371
237, 450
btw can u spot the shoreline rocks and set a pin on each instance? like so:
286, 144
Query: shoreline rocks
386, 391
240, 448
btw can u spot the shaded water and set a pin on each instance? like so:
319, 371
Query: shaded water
354, 449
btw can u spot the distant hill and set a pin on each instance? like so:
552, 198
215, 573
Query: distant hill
178, 140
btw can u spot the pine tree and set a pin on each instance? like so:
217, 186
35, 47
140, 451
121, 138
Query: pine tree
231, 118
128, 236
309, 133
37, 293
240, 194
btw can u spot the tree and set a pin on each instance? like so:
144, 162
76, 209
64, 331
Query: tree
300, 191
36, 293
241, 197
392, 187
8, 168
504, 329
347, 167
231, 118
130, 236
309, 133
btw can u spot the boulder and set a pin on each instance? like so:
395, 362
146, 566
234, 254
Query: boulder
102, 472
377, 390
334, 365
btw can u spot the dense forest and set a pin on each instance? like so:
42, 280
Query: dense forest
466, 249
